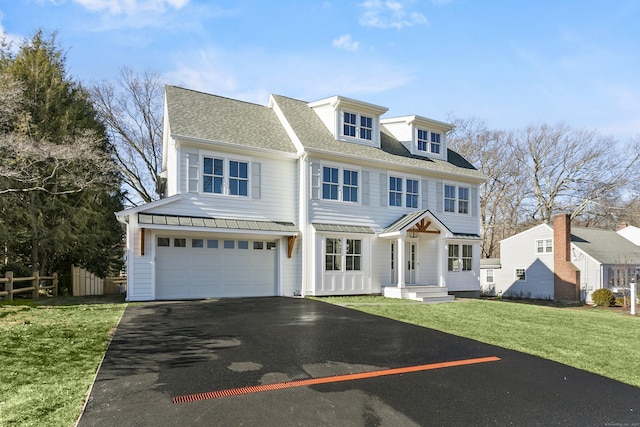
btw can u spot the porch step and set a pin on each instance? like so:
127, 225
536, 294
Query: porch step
425, 294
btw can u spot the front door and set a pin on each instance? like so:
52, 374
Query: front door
410, 263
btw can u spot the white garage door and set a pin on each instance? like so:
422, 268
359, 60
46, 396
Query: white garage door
214, 267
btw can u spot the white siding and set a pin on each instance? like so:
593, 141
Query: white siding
277, 202
519, 251
172, 168
140, 267
291, 268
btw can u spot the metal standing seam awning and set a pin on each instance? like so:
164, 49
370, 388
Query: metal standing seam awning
342, 228
161, 221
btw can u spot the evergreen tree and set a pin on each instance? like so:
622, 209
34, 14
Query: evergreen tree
63, 187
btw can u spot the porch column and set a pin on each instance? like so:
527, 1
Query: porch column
400, 264
441, 258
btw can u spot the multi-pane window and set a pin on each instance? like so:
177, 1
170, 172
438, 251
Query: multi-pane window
449, 198
238, 178
453, 258
412, 193
353, 255
544, 246
339, 184
395, 191
350, 186
456, 199
435, 143
342, 254
333, 254
521, 274
463, 200
330, 183
403, 190
349, 127
489, 275
357, 126
212, 175
219, 173
366, 127
460, 258
423, 140
467, 257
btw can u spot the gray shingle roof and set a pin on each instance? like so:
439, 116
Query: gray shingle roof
607, 247
209, 117
222, 223
313, 134
215, 118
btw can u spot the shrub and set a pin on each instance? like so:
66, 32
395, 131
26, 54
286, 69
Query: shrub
19, 270
603, 297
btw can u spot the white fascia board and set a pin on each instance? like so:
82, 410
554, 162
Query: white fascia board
285, 124
419, 121
161, 202
344, 102
182, 228
208, 143
339, 157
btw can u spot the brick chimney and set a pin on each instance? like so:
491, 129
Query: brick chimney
566, 277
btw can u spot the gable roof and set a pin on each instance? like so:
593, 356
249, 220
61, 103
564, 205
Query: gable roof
315, 136
208, 117
605, 246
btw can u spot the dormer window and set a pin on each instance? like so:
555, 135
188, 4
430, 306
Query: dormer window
429, 142
350, 125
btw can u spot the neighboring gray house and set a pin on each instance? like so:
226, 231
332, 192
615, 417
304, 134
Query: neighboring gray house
561, 262
296, 198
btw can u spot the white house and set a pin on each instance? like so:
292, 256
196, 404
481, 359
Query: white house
562, 262
298, 198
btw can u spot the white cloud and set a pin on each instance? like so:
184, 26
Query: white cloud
14, 41
131, 7
309, 78
389, 14
346, 42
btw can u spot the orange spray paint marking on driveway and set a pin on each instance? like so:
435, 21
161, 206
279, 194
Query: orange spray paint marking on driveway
325, 380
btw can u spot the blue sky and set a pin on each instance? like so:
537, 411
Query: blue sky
510, 63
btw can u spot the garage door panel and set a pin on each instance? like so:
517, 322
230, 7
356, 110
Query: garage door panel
204, 272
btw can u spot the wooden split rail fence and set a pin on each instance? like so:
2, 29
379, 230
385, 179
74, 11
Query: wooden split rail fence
35, 284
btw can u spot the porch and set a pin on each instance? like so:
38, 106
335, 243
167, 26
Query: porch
426, 294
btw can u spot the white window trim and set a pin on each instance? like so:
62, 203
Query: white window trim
515, 274
544, 246
460, 258
226, 175
428, 141
404, 189
341, 169
343, 254
375, 138
457, 199
493, 275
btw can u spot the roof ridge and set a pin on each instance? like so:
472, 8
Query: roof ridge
216, 96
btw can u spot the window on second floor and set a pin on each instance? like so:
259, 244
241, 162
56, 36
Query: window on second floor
456, 199
357, 125
223, 176
544, 246
403, 190
340, 184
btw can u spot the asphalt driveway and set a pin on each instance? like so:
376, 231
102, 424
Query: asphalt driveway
209, 362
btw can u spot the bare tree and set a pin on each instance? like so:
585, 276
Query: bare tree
575, 171
501, 194
132, 111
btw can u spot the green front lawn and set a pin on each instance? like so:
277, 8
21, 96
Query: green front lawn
597, 340
49, 355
